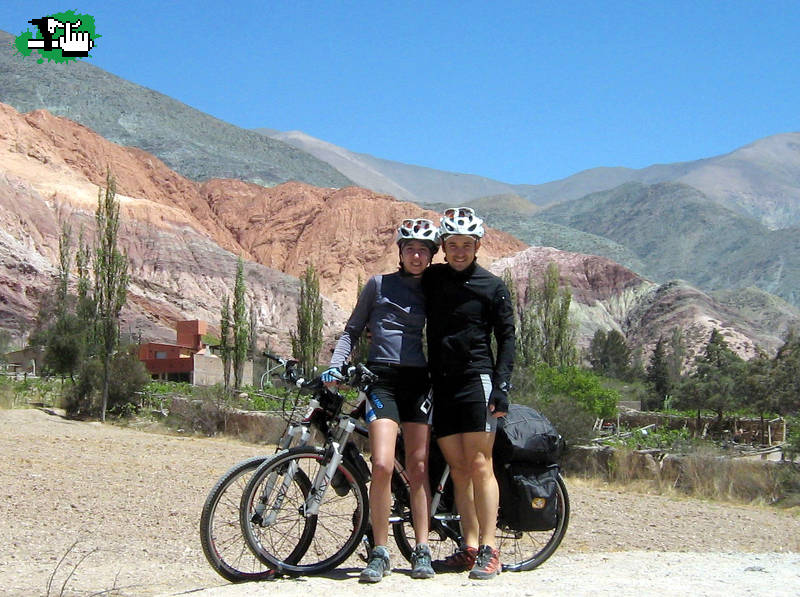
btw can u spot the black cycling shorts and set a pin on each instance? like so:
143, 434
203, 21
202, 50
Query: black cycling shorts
402, 394
461, 405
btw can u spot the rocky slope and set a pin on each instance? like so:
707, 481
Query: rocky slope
183, 237
606, 296
191, 142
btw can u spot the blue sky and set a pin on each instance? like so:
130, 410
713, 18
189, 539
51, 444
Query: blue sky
523, 92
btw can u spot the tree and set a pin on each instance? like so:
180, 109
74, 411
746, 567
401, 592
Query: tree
252, 331
786, 375
580, 385
86, 307
609, 354
240, 326
307, 339
754, 387
713, 384
224, 341
65, 337
677, 354
111, 280
547, 335
658, 377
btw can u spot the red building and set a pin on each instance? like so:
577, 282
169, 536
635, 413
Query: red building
176, 362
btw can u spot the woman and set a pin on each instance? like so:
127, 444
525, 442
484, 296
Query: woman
391, 306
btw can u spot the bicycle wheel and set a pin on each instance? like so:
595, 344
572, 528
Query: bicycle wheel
521, 551
284, 537
220, 533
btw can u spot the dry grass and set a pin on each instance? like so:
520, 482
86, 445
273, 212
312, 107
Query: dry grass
705, 475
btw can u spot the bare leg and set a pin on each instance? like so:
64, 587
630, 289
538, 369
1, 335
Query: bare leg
417, 443
382, 438
460, 473
477, 450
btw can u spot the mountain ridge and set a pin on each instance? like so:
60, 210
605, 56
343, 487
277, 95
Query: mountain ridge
193, 143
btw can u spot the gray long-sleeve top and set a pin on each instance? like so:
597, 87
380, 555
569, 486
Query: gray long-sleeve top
393, 307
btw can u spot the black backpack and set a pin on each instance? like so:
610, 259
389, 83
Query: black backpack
526, 452
525, 435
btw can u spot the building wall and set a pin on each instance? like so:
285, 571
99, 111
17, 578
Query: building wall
208, 371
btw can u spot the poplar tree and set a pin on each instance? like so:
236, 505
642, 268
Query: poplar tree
241, 325
658, 375
111, 280
552, 336
224, 341
65, 338
307, 339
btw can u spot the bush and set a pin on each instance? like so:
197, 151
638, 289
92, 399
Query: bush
572, 420
792, 443
128, 377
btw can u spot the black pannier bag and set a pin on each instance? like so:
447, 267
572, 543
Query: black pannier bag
528, 496
526, 451
525, 435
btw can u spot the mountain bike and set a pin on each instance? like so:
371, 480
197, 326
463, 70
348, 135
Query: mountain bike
220, 530
305, 511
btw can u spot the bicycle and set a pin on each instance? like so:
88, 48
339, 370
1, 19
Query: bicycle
220, 531
294, 524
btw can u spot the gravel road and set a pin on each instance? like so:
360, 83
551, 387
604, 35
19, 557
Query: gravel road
121, 506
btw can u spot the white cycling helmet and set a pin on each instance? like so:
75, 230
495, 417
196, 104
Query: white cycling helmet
460, 220
419, 229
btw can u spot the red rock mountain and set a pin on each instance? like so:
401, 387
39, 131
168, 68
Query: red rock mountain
606, 296
183, 237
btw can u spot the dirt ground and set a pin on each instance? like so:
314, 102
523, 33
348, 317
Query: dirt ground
128, 503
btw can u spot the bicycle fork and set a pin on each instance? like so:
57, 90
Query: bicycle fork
333, 457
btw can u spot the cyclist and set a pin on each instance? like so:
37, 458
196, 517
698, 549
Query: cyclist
392, 307
466, 305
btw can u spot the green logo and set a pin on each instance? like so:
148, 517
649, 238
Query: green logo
60, 37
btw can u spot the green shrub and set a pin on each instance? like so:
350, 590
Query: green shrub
128, 377
791, 448
571, 419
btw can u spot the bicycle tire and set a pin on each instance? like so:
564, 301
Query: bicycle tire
220, 532
519, 550
328, 538
525, 550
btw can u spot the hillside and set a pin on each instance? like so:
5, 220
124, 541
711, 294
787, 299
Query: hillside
190, 142
606, 296
408, 182
183, 237
675, 231
760, 180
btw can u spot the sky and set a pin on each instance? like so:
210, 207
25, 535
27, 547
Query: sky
520, 92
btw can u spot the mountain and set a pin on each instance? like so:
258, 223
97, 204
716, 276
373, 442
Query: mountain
183, 236
190, 142
411, 183
606, 296
760, 180
674, 231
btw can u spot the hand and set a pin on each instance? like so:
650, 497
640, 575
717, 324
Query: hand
331, 377
498, 403
74, 41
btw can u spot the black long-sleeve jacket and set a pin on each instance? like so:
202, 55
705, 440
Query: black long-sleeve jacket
464, 309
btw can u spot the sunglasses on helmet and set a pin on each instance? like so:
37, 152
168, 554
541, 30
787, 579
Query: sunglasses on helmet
417, 225
460, 212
